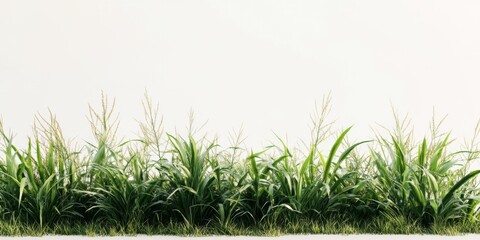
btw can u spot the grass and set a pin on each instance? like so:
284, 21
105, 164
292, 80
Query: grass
162, 183
301, 226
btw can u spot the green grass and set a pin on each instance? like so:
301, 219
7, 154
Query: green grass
336, 225
162, 183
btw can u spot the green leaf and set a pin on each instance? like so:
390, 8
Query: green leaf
333, 151
446, 199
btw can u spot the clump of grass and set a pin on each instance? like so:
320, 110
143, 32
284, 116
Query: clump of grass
423, 185
163, 183
38, 184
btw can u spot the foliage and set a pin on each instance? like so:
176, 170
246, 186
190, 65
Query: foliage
164, 179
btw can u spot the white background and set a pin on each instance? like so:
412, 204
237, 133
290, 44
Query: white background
262, 64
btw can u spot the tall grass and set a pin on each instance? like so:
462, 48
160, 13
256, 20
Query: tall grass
162, 178
428, 185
